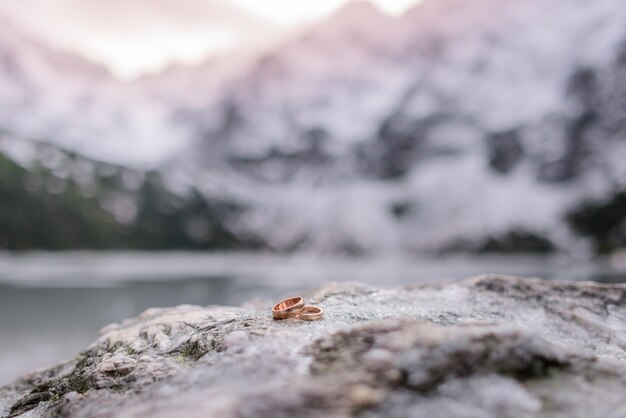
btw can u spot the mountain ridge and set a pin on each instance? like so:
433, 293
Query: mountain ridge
345, 137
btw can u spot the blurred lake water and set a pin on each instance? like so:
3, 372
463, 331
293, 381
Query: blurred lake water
53, 304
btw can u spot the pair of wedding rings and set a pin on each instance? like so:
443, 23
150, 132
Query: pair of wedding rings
295, 308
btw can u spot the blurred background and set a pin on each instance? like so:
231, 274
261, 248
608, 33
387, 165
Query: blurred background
163, 152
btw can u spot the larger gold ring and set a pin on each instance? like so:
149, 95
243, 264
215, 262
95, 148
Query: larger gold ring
311, 313
288, 308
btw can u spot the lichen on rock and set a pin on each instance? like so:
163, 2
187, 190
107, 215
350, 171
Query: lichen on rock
490, 346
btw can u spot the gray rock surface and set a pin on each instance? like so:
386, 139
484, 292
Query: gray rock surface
489, 346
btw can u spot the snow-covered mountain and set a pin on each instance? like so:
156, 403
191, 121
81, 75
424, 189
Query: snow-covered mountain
463, 124
480, 123
55, 96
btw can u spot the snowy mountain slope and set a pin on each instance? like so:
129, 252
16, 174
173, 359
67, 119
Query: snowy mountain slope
58, 97
462, 123
55, 199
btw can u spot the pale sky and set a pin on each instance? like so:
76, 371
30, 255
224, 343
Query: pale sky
132, 37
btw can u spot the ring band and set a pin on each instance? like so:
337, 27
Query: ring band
288, 308
311, 313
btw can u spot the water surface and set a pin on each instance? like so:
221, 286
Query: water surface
53, 304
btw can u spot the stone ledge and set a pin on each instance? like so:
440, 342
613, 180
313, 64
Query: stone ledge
489, 346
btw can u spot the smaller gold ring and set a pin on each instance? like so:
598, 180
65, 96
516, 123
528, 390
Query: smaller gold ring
288, 308
311, 313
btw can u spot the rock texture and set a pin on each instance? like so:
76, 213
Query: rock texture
489, 346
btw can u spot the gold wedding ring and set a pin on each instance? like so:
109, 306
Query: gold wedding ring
311, 313
288, 308
295, 308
